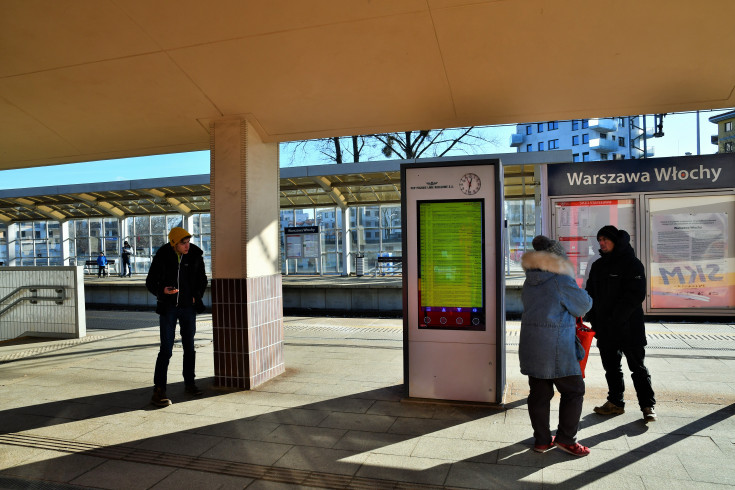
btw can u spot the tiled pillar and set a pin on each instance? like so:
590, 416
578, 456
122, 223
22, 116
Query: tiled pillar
247, 304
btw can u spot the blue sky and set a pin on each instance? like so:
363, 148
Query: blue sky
679, 129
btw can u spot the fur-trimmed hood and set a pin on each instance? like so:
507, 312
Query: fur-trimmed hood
548, 262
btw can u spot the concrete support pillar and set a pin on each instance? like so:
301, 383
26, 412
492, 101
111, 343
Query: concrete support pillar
188, 221
247, 302
13, 242
346, 242
65, 248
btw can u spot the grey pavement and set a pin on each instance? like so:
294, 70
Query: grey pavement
76, 414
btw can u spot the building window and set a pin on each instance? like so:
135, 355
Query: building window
575, 125
728, 126
621, 141
575, 157
729, 147
540, 146
603, 156
585, 124
551, 125
528, 129
575, 140
529, 148
586, 156
585, 138
540, 127
621, 122
553, 144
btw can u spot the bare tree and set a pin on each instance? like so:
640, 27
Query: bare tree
401, 145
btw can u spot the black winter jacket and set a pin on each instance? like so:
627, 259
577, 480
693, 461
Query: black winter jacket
188, 276
617, 285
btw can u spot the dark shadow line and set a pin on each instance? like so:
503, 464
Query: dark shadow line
666, 440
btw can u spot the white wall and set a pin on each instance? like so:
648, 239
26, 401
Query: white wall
45, 318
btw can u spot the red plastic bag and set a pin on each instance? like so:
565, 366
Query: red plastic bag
585, 336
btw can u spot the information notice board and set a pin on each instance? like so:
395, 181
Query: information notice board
451, 264
302, 242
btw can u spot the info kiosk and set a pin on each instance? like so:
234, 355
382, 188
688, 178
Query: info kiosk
453, 282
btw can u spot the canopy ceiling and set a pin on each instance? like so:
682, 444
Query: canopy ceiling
350, 184
93, 79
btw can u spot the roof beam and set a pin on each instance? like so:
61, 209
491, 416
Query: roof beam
101, 205
178, 205
41, 209
336, 195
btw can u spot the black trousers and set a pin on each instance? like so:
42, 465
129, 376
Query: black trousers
571, 389
611, 352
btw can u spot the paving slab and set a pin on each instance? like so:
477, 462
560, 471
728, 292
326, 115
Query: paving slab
79, 414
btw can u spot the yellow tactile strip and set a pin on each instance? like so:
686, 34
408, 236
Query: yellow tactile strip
48, 348
233, 468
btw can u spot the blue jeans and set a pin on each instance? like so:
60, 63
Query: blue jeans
187, 322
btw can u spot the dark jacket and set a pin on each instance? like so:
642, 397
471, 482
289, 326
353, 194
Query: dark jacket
617, 285
551, 302
188, 276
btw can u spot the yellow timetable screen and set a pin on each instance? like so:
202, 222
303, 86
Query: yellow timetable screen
451, 264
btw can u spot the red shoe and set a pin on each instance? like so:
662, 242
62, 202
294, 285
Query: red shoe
542, 448
575, 449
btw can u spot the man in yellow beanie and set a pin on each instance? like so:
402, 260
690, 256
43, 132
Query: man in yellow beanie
178, 280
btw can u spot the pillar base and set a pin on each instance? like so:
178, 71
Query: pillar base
247, 317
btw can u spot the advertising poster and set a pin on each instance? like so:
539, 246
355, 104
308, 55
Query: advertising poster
577, 223
689, 265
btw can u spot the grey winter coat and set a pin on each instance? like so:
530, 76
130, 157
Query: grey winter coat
552, 300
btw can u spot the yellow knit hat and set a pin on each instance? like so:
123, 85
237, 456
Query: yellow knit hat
177, 234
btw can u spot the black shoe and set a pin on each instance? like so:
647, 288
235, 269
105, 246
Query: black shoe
159, 398
193, 389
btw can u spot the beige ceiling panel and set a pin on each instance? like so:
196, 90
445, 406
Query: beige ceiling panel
531, 69
42, 35
100, 107
175, 24
371, 73
32, 141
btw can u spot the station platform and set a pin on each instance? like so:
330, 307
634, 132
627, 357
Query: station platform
363, 295
75, 414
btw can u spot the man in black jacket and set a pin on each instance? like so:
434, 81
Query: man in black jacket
178, 280
617, 285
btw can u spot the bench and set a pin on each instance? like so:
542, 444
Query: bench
390, 265
91, 267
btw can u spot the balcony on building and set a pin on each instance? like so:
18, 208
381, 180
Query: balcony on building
638, 153
603, 125
603, 145
516, 140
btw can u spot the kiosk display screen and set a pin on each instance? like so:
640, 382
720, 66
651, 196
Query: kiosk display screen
451, 264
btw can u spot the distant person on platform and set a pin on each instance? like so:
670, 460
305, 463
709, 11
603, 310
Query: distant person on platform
548, 349
178, 281
127, 252
101, 265
617, 284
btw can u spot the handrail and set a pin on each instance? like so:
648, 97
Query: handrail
34, 298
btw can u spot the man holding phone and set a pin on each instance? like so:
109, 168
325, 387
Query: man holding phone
178, 280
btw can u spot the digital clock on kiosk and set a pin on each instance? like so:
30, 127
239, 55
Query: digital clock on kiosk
469, 184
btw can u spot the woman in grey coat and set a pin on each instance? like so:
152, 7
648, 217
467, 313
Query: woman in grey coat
548, 350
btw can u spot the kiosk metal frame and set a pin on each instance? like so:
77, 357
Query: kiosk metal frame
454, 352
